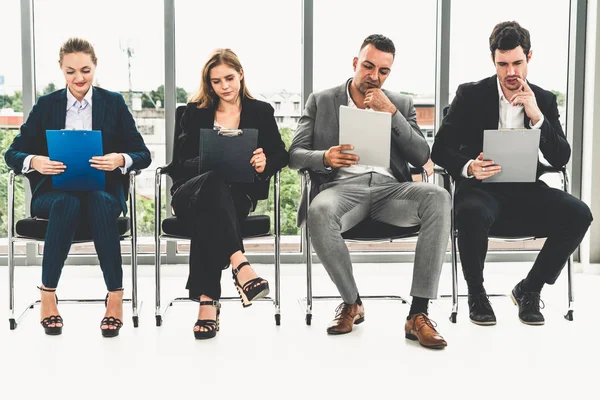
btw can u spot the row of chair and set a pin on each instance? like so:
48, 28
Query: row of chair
173, 229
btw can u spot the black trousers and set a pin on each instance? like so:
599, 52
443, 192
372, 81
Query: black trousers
213, 211
528, 209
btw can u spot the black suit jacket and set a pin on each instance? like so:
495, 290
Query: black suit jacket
255, 114
109, 115
476, 108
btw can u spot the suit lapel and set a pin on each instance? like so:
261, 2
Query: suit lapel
98, 110
340, 99
492, 107
59, 112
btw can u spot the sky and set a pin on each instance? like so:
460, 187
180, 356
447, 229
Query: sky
269, 45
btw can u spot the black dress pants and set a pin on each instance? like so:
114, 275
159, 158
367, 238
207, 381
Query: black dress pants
528, 209
213, 211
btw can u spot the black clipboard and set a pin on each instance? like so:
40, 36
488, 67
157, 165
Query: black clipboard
228, 152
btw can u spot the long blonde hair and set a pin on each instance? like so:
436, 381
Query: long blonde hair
205, 96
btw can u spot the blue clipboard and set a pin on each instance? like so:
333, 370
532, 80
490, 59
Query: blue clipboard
75, 149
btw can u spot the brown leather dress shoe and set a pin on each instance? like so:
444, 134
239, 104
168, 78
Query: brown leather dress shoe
346, 315
420, 327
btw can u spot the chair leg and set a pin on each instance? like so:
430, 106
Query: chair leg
454, 314
157, 313
277, 253
11, 282
309, 299
571, 297
134, 283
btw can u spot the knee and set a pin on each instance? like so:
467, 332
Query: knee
99, 198
320, 213
439, 199
579, 216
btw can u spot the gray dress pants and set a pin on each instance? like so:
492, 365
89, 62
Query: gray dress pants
344, 203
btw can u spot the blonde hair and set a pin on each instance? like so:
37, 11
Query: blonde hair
205, 96
77, 45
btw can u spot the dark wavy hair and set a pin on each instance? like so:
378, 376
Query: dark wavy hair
509, 35
381, 43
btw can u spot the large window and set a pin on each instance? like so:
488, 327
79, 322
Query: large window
269, 49
11, 112
130, 61
470, 57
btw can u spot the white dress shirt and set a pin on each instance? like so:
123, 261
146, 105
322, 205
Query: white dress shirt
509, 117
354, 170
79, 117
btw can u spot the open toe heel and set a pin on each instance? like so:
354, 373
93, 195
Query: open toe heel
211, 325
110, 321
252, 290
52, 319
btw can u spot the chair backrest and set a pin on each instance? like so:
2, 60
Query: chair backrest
177, 133
445, 111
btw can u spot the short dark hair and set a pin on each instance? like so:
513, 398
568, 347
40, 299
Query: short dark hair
509, 35
381, 43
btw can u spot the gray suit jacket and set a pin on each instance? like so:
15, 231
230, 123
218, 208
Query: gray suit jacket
318, 130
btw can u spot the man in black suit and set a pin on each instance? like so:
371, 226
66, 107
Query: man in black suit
507, 100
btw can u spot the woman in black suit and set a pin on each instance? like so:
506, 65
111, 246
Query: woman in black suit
214, 208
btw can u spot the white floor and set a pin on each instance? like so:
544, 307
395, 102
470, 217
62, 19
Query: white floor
251, 358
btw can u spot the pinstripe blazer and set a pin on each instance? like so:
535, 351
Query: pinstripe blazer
109, 115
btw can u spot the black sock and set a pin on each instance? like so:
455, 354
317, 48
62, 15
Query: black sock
358, 300
419, 305
532, 284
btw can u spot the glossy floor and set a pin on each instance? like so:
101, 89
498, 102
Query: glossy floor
251, 358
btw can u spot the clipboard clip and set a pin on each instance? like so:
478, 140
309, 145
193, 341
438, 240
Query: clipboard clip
230, 132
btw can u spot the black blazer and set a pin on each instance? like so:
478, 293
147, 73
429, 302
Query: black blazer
109, 115
476, 108
255, 114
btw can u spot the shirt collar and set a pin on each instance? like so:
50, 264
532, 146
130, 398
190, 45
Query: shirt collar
72, 101
351, 103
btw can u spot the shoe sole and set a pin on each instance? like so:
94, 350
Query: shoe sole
489, 323
357, 322
514, 300
245, 301
108, 333
413, 337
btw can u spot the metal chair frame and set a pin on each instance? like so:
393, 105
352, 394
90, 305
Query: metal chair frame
14, 237
159, 312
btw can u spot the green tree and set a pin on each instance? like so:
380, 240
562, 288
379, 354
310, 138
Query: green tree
290, 192
50, 88
15, 101
6, 138
560, 97
159, 95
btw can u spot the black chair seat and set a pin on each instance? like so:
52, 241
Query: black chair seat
254, 225
35, 228
374, 230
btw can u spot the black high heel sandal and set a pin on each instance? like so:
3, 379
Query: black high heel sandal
110, 321
250, 291
211, 325
53, 319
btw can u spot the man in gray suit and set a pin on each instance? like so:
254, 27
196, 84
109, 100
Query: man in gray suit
345, 193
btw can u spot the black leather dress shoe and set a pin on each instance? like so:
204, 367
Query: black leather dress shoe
480, 310
529, 305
